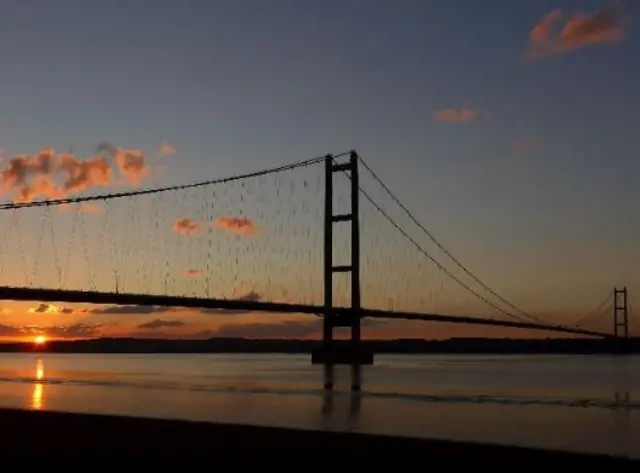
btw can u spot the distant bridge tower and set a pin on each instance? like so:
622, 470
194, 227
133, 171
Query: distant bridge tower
620, 313
331, 353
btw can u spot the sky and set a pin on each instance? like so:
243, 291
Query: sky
509, 129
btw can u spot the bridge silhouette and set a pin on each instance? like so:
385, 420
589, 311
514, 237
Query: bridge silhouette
283, 240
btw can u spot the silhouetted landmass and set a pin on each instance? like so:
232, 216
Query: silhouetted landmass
401, 346
89, 438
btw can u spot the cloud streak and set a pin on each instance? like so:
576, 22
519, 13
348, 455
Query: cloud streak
44, 308
454, 115
159, 323
133, 309
73, 331
240, 226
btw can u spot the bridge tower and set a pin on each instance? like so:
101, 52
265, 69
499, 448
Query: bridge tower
620, 313
331, 353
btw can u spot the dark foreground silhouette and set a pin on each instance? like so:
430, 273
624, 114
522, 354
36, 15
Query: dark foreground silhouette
66, 439
403, 346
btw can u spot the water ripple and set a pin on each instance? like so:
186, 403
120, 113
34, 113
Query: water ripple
249, 388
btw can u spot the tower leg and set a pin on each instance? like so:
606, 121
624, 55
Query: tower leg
356, 303
331, 352
327, 336
620, 318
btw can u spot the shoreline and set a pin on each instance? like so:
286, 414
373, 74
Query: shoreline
453, 346
60, 435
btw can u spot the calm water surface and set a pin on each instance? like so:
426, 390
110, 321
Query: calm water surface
563, 402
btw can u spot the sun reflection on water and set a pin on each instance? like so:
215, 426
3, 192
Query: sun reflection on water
37, 397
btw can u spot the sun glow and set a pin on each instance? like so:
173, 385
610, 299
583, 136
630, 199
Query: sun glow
40, 340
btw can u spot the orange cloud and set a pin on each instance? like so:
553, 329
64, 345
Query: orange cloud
41, 186
166, 149
453, 115
22, 168
194, 273
557, 33
185, 226
239, 226
131, 164
85, 174
54, 176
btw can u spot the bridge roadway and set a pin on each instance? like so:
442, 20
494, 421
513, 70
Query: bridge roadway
234, 305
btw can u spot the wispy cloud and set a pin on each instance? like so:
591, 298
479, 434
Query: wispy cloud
250, 296
238, 225
44, 308
159, 323
558, 32
79, 330
166, 149
455, 115
186, 226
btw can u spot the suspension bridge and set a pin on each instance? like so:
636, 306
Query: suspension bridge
284, 240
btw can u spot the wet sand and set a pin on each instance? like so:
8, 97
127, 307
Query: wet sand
67, 437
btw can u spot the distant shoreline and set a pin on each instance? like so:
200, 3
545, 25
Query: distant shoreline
494, 346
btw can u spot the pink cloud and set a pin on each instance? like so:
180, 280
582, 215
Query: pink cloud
558, 33
166, 149
239, 226
453, 115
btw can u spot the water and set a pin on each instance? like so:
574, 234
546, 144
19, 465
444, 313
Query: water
562, 402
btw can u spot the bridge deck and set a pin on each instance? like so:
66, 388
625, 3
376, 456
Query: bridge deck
235, 305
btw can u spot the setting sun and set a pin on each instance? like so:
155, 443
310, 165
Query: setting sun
40, 340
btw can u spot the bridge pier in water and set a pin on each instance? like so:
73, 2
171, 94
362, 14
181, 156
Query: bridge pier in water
331, 353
